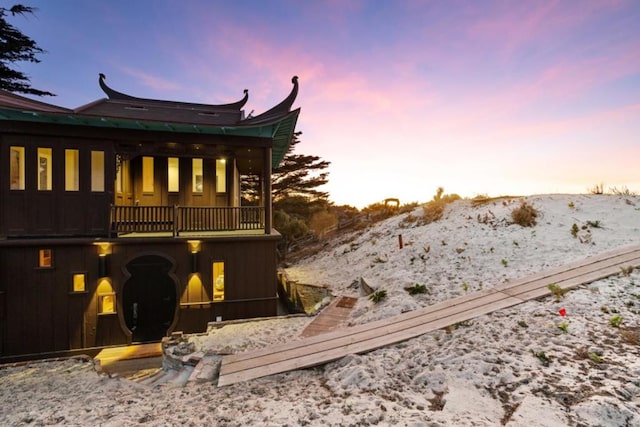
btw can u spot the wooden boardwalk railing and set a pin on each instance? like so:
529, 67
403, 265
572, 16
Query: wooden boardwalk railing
331, 346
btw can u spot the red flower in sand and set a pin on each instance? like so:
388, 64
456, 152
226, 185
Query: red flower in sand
562, 312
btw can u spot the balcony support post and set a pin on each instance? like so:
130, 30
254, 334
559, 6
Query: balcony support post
266, 185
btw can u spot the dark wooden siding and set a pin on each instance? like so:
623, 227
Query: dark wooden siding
57, 212
42, 314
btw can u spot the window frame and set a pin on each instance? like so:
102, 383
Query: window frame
20, 150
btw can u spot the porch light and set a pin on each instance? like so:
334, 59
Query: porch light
104, 250
194, 248
103, 266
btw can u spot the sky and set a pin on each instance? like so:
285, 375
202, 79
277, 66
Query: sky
491, 97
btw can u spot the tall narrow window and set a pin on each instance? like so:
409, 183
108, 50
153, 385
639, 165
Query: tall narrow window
218, 280
97, 171
147, 174
45, 258
173, 173
197, 176
71, 170
123, 171
221, 176
44, 169
16, 168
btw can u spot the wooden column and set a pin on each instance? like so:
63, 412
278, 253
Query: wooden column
266, 190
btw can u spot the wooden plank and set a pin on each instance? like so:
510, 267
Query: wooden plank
386, 327
361, 338
335, 353
536, 280
575, 272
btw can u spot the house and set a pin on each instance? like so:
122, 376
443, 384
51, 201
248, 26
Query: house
121, 221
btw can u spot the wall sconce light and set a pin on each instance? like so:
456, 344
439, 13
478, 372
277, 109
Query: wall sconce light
104, 250
103, 266
194, 262
194, 248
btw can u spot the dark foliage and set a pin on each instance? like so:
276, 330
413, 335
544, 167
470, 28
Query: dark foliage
17, 47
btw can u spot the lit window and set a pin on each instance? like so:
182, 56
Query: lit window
106, 297
44, 169
97, 171
121, 174
16, 167
173, 173
79, 282
218, 280
197, 174
71, 170
107, 303
221, 176
45, 258
147, 174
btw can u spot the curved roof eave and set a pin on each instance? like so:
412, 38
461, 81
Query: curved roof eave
115, 95
279, 110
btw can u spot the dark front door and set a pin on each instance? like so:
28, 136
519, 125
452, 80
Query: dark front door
149, 298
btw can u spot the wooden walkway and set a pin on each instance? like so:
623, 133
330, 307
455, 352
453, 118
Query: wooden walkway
331, 318
320, 349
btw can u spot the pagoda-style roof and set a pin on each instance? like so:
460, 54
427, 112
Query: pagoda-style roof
123, 111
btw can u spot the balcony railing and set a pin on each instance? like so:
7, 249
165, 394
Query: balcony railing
179, 219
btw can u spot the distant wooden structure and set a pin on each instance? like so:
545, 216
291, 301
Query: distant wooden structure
121, 220
392, 203
320, 349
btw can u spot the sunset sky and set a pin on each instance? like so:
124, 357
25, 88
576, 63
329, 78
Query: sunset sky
479, 97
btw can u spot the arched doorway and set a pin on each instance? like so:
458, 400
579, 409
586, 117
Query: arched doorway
149, 298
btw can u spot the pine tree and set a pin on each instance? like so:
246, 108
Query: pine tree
16, 47
297, 178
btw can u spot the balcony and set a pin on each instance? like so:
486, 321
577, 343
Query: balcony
184, 221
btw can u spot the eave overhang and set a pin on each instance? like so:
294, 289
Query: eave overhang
280, 131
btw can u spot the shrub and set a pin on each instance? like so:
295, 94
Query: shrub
616, 321
416, 289
542, 357
557, 291
574, 230
563, 326
597, 189
322, 220
524, 215
631, 335
378, 295
434, 210
626, 271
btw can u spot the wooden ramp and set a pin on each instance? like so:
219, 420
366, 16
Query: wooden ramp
331, 318
324, 348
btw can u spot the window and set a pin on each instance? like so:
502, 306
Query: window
44, 169
218, 280
45, 258
221, 176
106, 297
16, 168
147, 174
122, 183
97, 171
71, 170
173, 173
107, 303
197, 175
79, 283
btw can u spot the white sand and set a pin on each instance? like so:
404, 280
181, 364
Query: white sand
484, 372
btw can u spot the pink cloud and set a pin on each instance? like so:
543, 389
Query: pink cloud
154, 82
